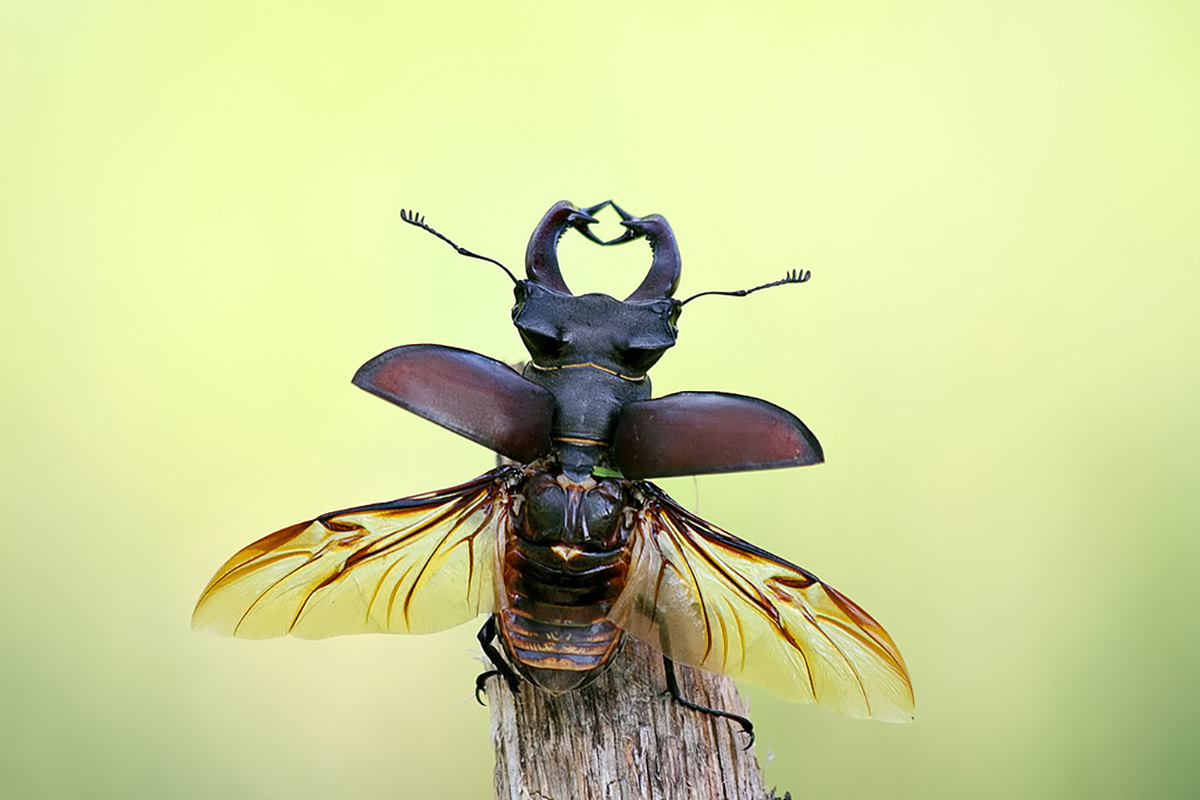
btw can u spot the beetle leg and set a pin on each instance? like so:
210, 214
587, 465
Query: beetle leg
486, 635
673, 688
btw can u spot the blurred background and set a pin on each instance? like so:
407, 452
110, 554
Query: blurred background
998, 349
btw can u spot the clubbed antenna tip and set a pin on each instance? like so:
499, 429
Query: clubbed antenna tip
792, 276
418, 219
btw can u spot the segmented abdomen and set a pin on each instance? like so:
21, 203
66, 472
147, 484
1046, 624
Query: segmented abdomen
553, 622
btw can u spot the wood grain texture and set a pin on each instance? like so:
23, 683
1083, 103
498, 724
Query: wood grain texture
622, 737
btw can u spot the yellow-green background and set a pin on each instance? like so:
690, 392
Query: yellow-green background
999, 346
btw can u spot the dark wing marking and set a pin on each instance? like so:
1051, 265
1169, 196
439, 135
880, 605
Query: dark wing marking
708, 599
416, 565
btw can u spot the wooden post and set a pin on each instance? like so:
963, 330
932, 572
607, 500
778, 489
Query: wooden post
622, 737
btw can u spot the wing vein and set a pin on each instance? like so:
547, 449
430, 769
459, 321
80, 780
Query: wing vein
424, 527
328, 576
862, 689
267, 591
870, 641
672, 531
774, 620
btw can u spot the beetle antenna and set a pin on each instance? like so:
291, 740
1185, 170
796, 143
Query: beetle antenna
417, 219
793, 276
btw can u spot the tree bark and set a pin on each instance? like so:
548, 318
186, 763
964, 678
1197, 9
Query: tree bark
622, 737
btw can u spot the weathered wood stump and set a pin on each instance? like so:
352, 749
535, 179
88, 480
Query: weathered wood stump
622, 737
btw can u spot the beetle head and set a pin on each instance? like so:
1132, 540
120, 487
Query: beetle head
625, 337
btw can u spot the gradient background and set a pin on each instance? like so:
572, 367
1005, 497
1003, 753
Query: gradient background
998, 349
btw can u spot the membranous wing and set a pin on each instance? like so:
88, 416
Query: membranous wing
416, 565
708, 599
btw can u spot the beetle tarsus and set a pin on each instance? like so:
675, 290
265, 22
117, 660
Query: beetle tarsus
481, 684
673, 690
486, 635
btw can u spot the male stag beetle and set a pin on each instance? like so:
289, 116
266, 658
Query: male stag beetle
571, 547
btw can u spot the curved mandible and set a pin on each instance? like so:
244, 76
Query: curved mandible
541, 255
663, 278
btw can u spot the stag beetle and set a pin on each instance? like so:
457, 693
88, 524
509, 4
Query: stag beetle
567, 546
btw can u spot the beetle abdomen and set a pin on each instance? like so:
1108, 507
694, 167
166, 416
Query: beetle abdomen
554, 622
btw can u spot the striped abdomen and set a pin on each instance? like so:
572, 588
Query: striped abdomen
563, 568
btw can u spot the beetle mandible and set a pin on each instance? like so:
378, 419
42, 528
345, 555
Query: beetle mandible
569, 547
